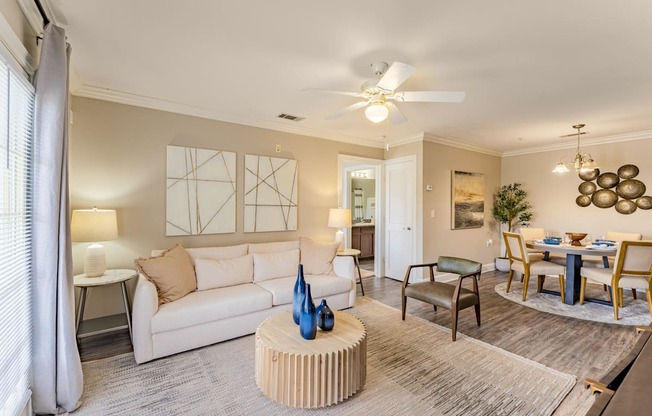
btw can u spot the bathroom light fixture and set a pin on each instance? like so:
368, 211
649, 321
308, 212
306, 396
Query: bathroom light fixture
581, 163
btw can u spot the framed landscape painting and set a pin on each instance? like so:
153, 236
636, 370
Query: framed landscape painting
468, 200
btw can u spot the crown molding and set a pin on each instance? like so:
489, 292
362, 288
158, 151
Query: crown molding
407, 140
427, 137
626, 137
120, 97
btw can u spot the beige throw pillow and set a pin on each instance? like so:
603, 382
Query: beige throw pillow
212, 274
172, 273
317, 258
274, 265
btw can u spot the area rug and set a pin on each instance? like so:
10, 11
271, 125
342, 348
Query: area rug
635, 312
412, 368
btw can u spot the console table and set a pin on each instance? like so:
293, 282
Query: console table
310, 373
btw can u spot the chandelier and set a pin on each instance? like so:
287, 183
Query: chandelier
582, 163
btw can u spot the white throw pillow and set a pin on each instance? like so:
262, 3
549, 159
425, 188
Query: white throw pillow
273, 247
274, 265
317, 258
212, 274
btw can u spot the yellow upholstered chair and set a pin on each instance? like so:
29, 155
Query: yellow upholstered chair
519, 261
616, 236
530, 234
632, 269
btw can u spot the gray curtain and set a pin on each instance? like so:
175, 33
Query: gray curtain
57, 380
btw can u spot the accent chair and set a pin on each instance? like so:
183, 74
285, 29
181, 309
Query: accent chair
446, 295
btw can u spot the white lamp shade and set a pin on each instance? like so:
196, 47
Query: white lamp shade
376, 112
339, 217
94, 225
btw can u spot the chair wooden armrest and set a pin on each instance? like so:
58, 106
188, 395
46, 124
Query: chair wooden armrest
415, 266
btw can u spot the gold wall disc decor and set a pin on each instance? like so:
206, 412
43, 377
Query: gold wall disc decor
625, 206
589, 175
587, 188
608, 180
604, 198
583, 200
630, 189
628, 171
644, 202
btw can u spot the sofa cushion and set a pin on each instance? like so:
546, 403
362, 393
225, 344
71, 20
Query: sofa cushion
320, 287
172, 273
317, 258
273, 265
273, 247
215, 253
212, 274
211, 305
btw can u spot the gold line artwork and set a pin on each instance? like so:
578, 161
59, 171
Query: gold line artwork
270, 194
201, 190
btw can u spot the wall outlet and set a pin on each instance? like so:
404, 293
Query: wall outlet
490, 242
278, 148
428, 187
432, 213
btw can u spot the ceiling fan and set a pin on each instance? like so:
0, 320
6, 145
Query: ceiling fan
378, 95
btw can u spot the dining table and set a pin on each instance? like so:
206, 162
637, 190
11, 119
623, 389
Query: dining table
574, 264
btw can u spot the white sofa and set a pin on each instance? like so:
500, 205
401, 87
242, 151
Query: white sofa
205, 317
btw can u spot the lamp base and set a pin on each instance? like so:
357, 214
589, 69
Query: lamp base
95, 263
339, 237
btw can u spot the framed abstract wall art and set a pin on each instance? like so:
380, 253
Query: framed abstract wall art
201, 191
270, 194
468, 190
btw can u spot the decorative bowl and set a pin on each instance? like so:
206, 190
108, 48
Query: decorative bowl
576, 238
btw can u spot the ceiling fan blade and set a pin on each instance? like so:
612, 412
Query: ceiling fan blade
347, 110
395, 76
349, 93
430, 96
395, 115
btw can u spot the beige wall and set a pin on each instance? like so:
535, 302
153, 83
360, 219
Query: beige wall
14, 16
438, 237
118, 161
553, 195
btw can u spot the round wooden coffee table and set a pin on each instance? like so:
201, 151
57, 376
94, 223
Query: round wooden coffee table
310, 373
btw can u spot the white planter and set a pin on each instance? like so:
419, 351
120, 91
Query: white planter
502, 264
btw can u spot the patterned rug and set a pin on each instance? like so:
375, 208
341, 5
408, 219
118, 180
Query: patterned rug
635, 312
412, 368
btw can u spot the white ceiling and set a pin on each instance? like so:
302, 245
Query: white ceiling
530, 69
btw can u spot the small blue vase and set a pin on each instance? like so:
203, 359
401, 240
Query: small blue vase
308, 320
325, 317
298, 295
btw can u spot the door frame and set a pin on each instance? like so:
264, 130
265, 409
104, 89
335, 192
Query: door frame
347, 164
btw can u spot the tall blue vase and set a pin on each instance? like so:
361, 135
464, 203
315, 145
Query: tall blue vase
298, 295
325, 316
308, 320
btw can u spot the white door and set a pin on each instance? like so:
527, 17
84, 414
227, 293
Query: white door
400, 191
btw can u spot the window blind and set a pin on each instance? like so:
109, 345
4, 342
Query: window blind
16, 128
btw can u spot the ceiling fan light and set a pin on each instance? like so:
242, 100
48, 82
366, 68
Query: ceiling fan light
561, 168
376, 112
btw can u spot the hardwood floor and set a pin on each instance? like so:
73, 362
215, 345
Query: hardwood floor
582, 348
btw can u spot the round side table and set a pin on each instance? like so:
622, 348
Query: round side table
110, 277
352, 252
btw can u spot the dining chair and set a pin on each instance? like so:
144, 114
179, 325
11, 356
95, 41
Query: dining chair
632, 269
519, 261
450, 296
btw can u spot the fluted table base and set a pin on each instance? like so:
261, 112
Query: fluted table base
310, 373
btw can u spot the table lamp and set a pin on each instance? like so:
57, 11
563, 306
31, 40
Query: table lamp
94, 225
338, 218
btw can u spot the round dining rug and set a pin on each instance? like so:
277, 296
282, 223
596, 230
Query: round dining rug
635, 312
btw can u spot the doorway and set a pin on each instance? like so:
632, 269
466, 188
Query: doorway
360, 183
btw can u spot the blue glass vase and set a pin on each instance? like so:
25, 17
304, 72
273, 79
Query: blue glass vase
308, 320
298, 295
325, 316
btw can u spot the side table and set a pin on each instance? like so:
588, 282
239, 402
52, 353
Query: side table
352, 252
109, 277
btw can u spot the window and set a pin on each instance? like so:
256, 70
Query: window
16, 126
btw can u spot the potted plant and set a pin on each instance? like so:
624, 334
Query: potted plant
512, 209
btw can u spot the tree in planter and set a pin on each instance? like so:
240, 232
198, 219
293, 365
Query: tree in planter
511, 207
